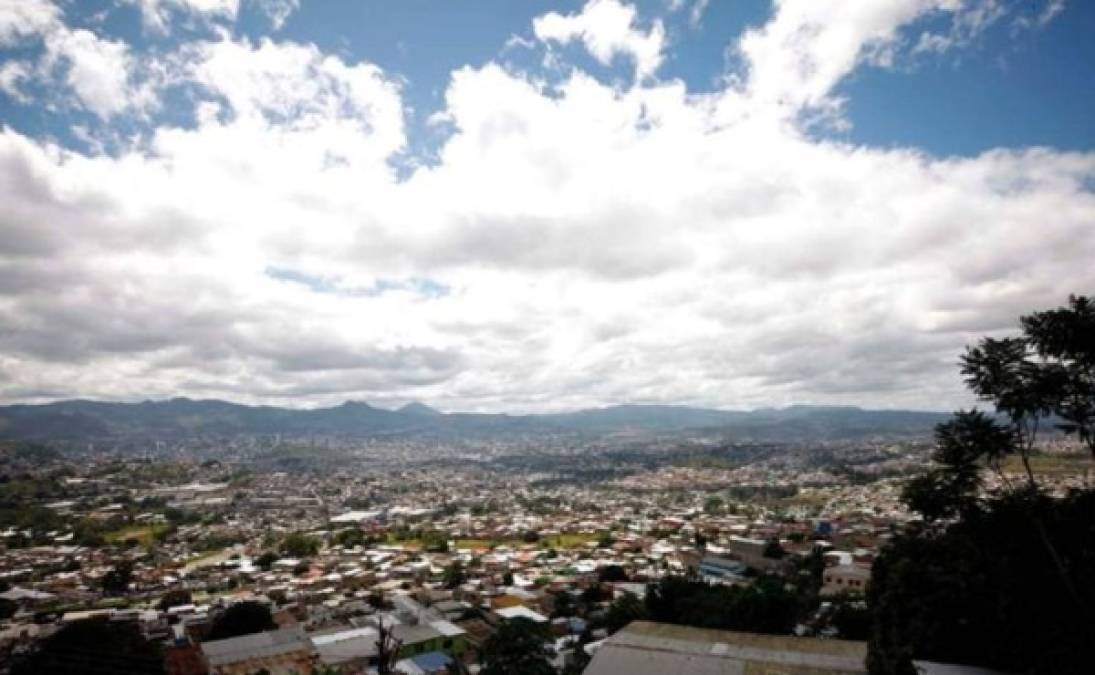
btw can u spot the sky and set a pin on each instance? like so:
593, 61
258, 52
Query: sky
530, 206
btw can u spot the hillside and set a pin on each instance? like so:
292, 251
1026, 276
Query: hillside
80, 420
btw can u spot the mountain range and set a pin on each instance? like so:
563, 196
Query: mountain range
81, 420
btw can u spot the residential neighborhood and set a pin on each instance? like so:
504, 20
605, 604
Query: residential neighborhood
417, 568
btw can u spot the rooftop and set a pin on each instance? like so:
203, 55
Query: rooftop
645, 648
256, 645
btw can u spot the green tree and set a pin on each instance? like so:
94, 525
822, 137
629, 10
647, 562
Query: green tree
298, 545
519, 646
578, 660
563, 605
713, 504
454, 575
1055, 372
266, 561
627, 608
93, 646
769, 605
964, 446
242, 618
173, 598
773, 549
610, 573
990, 577
350, 537
851, 617
116, 581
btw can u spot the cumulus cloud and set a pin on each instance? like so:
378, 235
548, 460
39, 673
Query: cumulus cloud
575, 243
158, 14
796, 59
96, 69
98, 72
21, 19
607, 28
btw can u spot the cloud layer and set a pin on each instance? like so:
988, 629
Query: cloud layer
577, 242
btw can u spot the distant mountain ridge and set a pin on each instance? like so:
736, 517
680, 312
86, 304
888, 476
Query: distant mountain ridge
82, 420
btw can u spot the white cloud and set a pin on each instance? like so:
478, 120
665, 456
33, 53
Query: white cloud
12, 75
598, 244
279, 11
96, 69
318, 107
607, 28
1049, 11
970, 20
157, 14
21, 19
695, 15
695, 11
797, 58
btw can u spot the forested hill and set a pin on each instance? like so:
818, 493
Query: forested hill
78, 420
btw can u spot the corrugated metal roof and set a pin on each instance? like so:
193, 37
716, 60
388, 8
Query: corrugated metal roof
612, 660
362, 647
447, 628
649, 648
256, 645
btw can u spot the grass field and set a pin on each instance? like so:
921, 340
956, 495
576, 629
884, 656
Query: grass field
557, 541
207, 559
570, 539
144, 534
1052, 465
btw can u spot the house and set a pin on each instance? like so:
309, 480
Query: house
751, 552
349, 650
845, 578
26, 597
429, 637
521, 612
718, 568
287, 651
646, 648
430, 663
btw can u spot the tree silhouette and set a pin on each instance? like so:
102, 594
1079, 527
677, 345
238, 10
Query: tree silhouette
116, 581
964, 446
93, 646
612, 573
627, 608
454, 575
242, 618
519, 646
1004, 578
387, 649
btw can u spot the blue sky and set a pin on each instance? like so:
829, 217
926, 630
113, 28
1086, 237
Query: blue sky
1008, 87
501, 205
